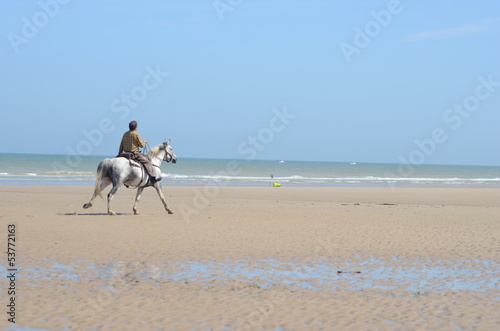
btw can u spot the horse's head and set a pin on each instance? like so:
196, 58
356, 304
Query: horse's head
169, 153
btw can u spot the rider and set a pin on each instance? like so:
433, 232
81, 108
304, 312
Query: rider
131, 142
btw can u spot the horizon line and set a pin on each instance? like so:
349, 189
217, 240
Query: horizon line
270, 160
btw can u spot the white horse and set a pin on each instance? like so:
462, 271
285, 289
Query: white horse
121, 171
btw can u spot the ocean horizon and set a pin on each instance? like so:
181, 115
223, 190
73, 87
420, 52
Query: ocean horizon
54, 169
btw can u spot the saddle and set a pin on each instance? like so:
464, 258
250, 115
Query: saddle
131, 159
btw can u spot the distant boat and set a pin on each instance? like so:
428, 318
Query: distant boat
281, 161
353, 163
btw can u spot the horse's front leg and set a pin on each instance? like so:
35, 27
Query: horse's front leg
137, 198
157, 186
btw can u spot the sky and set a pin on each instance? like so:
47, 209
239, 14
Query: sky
317, 80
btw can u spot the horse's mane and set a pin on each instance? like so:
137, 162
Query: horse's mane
154, 151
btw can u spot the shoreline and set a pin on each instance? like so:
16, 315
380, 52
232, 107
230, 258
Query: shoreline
53, 170
483, 196
201, 184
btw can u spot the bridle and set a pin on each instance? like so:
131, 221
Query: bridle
168, 156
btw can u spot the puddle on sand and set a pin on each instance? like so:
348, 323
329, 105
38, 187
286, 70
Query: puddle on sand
358, 274
354, 276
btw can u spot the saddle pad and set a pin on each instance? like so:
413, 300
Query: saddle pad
127, 155
135, 163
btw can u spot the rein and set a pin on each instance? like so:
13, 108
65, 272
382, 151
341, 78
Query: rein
158, 166
146, 149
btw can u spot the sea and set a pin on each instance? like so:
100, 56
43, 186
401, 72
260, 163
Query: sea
36, 169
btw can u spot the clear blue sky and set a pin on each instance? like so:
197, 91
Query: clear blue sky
366, 81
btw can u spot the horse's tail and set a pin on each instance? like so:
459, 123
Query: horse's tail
101, 170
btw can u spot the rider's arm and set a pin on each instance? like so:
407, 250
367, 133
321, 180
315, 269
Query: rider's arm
141, 143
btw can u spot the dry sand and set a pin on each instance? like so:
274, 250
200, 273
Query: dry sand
255, 258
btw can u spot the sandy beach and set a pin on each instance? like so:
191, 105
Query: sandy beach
254, 258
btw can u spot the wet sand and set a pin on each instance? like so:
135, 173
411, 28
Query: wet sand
255, 258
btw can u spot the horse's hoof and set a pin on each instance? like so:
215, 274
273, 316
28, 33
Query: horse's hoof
170, 211
136, 212
112, 213
87, 206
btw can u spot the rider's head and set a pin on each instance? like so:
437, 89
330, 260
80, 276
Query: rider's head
132, 125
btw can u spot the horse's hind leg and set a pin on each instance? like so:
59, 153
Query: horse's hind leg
110, 197
137, 198
89, 204
105, 182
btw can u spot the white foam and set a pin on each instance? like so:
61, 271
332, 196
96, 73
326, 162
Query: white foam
348, 179
70, 173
